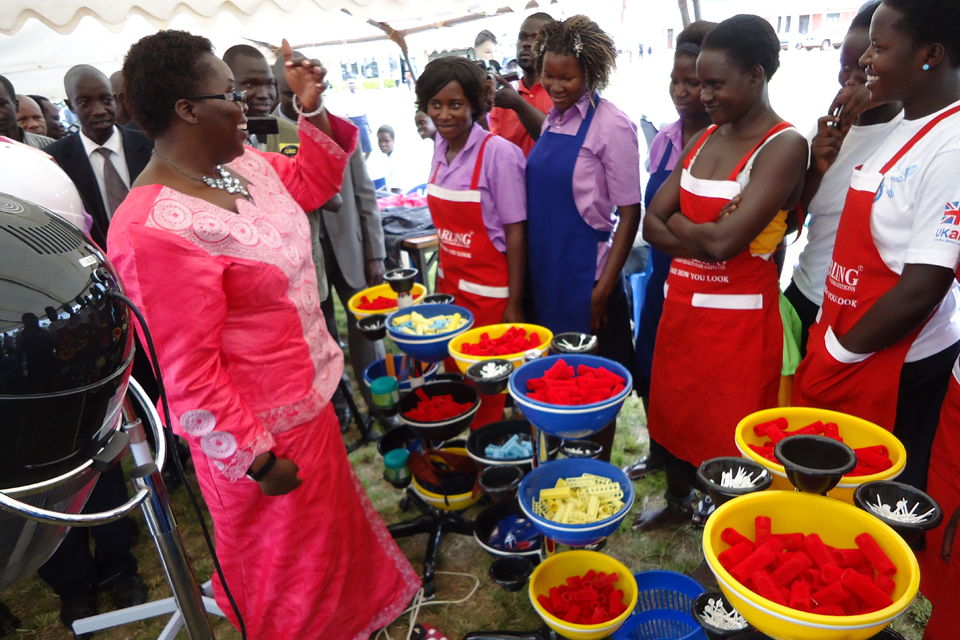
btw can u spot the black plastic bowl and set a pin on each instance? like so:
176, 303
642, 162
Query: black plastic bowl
493, 385
373, 327
714, 633
511, 572
814, 464
558, 346
397, 438
501, 482
443, 429
581, 449
438, 298
487, 521
498, 433
400, 280
711, 471
891, 493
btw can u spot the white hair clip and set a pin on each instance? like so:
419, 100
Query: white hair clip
577, 44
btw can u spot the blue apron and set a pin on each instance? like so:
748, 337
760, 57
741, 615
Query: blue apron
653, 298
562, 248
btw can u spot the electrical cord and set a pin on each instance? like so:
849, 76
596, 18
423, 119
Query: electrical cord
418, 603
171, 446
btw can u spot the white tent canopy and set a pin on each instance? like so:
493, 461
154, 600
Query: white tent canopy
50, 36
63, 16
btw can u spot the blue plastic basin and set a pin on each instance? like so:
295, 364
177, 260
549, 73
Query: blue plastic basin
431, 348
574, 535
565, 421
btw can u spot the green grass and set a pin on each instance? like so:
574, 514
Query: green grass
490, 608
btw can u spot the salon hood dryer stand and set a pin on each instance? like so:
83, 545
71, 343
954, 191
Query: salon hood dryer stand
66, 348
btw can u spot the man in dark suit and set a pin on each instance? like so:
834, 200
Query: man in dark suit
103, 160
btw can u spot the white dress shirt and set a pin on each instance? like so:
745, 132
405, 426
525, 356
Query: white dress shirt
114, 144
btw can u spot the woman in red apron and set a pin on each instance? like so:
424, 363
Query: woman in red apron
719, 344
665, 151
887, 335
477, 198
940, 560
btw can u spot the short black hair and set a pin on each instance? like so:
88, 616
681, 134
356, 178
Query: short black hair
749, 41
442, 71
40, 99
9, 87
385, 128
929, 22
242, 50
864, 16
159, 70
696, 32
485, 36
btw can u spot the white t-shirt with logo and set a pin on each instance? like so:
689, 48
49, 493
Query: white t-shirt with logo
859, 144
916, 216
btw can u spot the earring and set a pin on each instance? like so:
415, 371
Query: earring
926, 67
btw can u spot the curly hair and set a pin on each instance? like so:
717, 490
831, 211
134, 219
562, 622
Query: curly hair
582, 38
159, 70
442, 71
749, 41
929, 22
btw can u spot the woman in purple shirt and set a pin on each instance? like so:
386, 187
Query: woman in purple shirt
477, 202
583, 195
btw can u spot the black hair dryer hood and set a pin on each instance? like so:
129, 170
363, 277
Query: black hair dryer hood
66, 346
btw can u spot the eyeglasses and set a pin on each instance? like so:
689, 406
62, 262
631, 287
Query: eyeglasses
233, 96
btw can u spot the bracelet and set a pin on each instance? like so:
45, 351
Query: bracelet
257, 476
297, 106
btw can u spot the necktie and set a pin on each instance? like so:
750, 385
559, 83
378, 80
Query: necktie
112, 182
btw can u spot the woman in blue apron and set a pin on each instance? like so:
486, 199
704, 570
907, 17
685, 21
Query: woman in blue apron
665, 151
583, 196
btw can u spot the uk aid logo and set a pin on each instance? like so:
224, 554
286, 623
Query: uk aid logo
949, 229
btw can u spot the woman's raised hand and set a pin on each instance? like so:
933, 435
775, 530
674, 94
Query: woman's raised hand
304, 78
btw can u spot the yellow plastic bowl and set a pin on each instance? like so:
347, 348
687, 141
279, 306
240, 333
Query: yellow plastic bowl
837, 524
457, 502
855, 432
381, 290
556, 569
495, 331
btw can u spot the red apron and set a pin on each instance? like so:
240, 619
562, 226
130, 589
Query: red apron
719, 347
938, 579
867, 385
471, 269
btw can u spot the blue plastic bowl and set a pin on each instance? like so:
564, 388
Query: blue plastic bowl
564, 421
432, 348
574, 535
379, 369
664, 599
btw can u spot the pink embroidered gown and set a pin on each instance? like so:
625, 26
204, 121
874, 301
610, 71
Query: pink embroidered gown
231, 300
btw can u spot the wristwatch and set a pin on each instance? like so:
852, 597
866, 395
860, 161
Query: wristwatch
257, 476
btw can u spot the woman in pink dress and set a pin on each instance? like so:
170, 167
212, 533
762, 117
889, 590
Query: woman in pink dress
213, 245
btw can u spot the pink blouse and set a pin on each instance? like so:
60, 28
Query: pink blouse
231, 298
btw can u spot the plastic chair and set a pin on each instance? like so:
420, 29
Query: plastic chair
419, 191
638, 287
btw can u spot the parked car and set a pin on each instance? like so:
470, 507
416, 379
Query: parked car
791, 41
823, 40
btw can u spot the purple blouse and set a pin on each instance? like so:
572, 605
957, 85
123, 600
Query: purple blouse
503, 181
669, 138
607, 173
